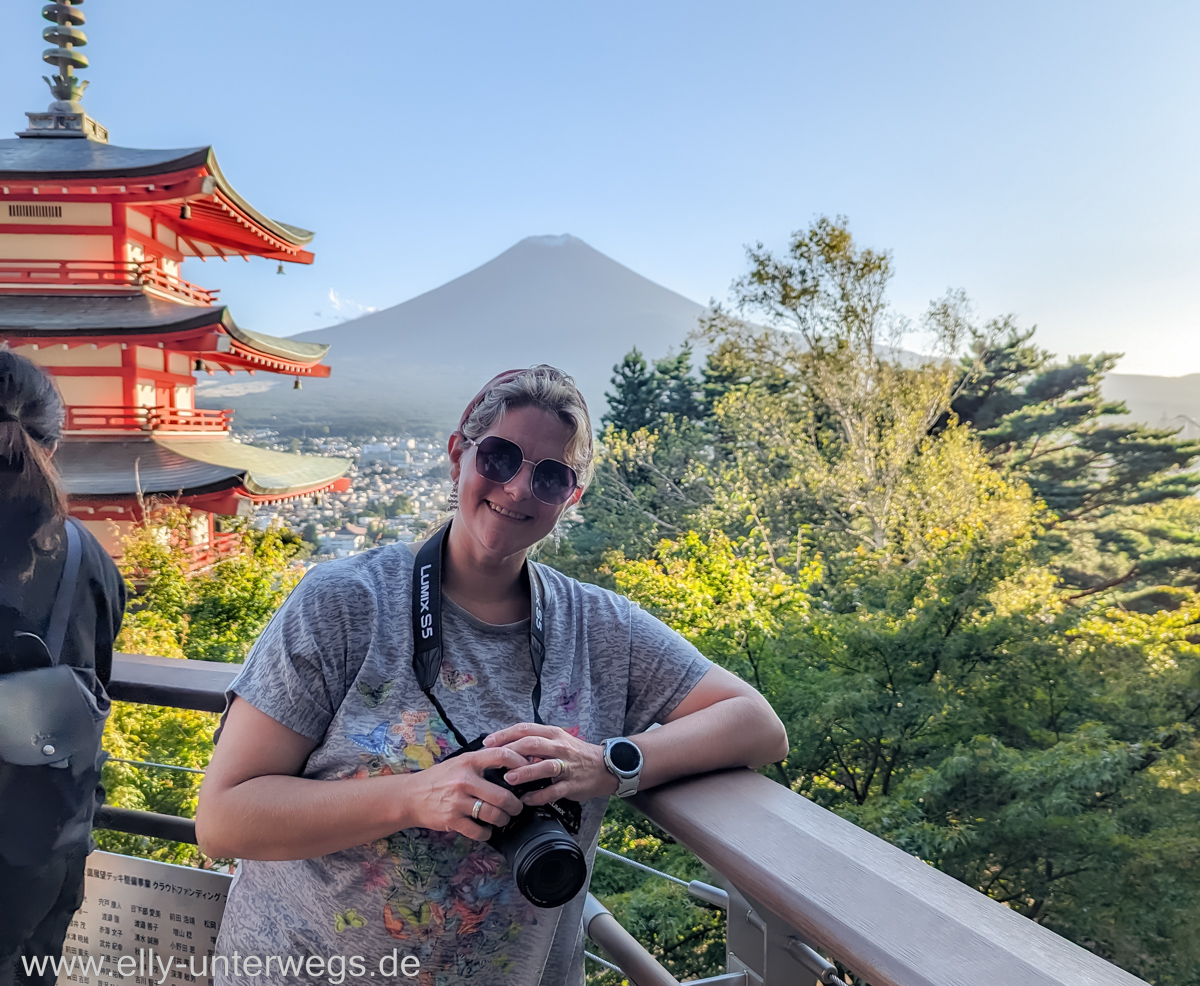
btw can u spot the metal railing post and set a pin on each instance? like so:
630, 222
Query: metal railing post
787, 957
744, 942
637, 964
768, 949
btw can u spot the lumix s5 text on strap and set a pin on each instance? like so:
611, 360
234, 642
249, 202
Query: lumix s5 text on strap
427, 627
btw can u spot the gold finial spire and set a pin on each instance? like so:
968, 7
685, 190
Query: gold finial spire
65, 116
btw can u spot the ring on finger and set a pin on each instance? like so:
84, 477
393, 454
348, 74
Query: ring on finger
562, 767
476, 809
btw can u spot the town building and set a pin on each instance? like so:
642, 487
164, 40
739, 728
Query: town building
93, 239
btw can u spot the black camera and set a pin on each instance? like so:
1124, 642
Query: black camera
546, 862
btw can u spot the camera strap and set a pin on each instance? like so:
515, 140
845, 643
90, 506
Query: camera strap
427, 625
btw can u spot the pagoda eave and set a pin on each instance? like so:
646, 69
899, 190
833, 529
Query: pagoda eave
69, 170
208, 332
240, 358
119, 471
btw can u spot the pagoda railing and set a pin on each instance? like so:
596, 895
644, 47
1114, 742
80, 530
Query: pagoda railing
82, 419
206, 554
809, 897
103, 275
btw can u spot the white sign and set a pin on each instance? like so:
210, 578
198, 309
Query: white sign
144, 923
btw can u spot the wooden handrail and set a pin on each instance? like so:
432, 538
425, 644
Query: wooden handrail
893, 919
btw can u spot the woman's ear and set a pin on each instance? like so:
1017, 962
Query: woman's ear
454, 449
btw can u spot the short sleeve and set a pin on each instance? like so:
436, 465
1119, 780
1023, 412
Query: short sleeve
663, 668
298, 670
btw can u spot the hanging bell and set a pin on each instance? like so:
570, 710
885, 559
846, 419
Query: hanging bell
280, 271
199, 365
185, 211
296, 385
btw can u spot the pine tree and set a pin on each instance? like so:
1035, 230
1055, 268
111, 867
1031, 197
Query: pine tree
634, 404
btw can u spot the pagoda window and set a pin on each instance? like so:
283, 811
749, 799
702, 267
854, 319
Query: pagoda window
90, 391
170, 267
140, 222
54, 246
201, 527
143, 394
183, 398
166, 236
149, 359
180, 364
135, 252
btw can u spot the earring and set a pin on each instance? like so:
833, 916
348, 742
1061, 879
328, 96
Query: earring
452, 499
557, 533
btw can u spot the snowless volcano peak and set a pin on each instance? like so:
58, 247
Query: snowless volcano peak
563, 239
548, 299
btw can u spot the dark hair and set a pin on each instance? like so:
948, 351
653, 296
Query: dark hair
32, 503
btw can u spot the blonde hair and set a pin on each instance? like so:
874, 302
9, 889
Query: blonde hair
550, 389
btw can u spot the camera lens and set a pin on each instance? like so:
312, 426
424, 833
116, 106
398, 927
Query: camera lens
551, 871
547, 865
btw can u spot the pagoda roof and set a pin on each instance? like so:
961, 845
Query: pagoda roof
181, 467
31, 317
71, 315
81, 159
30, 157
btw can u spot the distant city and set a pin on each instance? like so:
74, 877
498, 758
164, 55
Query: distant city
400, 487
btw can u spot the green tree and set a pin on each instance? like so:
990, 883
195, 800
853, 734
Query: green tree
647, 486
177, 612
402, 504
1049, 423
634, 401
643, 397
971, 599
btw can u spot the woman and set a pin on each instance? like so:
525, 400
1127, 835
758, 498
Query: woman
46, 811
394, 858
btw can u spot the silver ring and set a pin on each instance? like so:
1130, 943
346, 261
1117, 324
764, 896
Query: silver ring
476, 809
562, 766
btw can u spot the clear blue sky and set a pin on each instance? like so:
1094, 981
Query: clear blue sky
1042, 156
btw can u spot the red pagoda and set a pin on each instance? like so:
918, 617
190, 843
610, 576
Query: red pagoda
92, 241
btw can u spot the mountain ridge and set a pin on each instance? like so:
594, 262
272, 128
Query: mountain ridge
546, 299
552, 299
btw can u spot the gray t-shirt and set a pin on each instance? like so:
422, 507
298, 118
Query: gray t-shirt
335, 665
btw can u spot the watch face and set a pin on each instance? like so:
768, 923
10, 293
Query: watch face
625, 755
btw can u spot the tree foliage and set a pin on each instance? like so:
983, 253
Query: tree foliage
175, 611
968, 587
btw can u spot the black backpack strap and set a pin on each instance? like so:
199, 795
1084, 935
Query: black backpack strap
60, 615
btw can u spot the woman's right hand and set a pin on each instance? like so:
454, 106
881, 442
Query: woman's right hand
446, 792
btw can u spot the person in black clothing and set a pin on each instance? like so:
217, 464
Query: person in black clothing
46, 810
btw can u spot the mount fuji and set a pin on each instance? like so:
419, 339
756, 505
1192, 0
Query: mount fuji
548, 299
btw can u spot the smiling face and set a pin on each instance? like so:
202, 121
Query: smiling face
503, 519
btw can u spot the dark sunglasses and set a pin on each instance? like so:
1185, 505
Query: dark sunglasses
498, 460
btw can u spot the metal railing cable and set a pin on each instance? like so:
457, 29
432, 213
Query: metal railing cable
603, 962
696, 888
641, 866
151, 763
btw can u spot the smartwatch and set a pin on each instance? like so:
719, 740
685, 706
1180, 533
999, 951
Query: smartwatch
623, 758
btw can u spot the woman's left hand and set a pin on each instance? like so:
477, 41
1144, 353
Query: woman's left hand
576, 767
